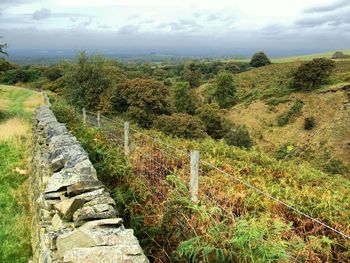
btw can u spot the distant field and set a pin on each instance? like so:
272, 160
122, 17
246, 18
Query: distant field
300, 58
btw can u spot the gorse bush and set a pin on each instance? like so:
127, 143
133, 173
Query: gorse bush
238, 135
289, 116
142, 99
212, 116
259, 59
312, 74
309, 123
23, 74
181, 125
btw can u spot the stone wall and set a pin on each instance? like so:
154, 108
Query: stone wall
74, 216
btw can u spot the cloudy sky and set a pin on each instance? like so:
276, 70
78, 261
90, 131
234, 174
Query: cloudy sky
189, 27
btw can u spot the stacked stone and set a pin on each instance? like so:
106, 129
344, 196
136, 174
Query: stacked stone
74, 216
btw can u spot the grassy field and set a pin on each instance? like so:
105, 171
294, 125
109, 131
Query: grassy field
16, 108
299, 58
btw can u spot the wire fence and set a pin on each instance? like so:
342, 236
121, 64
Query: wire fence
154, 160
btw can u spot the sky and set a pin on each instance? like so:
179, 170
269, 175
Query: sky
184, 27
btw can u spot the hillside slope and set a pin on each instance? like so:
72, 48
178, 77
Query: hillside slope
264, 95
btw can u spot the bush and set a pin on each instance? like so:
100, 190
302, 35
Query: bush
232, 67
284, 151
259, 59
339, 55
289, 116
142, 99
312, 74
23, 75
181, 125
334, 166
239, 136
211, 116
53, 73
309, 123
183, 98
192, 76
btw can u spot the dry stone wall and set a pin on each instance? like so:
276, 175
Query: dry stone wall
74, 216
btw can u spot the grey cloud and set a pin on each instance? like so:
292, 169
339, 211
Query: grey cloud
336, 18
41, 14
128, 29
331, 7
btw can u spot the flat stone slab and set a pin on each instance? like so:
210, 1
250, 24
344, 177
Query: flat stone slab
82, 187
68, 207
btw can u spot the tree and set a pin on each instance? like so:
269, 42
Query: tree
312, 74
181, 125
91, 82
224, 90
183, 98
259, 59
192, 76
2, 47
212, 117
143, 99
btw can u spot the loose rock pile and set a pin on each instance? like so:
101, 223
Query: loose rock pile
74, 216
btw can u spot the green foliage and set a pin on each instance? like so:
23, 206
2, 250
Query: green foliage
53, 73
259, 59
181, 125
6, 65
284, 151
232, 67
224, 90
212, 117
291, 114
142, 99
91, 82
312, 74
183, 98
192, 76
24, 75
238, 135
334, 166
339, 55
309, 123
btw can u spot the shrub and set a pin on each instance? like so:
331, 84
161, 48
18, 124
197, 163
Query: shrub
339, 55
289, 116
211, 116
238, 135
309, 123
334, 166
23, 75
284, 151
232, 67
259, 59
183, 98
181, 125
223, 90
143, 99
312, 74
192, 76
53, 73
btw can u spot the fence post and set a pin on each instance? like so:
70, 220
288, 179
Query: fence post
98, 119
84, 115
126, 138
194, 155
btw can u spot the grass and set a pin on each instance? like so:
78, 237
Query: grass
14, 155
300, 57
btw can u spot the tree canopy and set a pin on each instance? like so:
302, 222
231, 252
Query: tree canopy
259, 59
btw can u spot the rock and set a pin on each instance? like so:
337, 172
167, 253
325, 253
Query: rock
65, 178
57, 163
104, 232
57, 223
106, 254
91, 195
82, 187
55, 195
99, 211
69, 206
103, 199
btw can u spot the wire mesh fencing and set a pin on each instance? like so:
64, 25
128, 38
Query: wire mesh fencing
154, 160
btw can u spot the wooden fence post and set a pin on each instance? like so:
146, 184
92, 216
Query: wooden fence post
194, 156
84, 115
126, 138
98, 119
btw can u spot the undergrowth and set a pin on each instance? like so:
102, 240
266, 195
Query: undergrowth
241, 225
